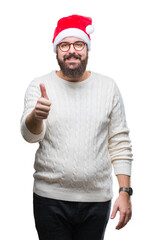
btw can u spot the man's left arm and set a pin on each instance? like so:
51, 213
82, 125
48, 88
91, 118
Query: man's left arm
120, 150
123, 202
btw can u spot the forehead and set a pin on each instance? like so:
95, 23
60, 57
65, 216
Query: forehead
71, 39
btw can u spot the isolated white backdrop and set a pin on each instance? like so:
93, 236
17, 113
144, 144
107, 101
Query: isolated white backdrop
122, 48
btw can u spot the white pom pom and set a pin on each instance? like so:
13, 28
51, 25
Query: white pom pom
90, 29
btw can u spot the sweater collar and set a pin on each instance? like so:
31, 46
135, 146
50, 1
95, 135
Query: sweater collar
73, 84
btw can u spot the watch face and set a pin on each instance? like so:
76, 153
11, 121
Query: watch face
130, 191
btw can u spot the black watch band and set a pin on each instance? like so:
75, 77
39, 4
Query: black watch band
128, 190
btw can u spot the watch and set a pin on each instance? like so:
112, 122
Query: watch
128, 190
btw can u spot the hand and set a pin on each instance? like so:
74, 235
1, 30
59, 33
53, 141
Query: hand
123, 205
43, 104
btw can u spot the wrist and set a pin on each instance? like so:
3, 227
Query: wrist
33, 124
126, 191
124, 194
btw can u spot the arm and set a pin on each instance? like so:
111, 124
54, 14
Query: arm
121, 156
34, 120
34, 125
36, 110
123, 203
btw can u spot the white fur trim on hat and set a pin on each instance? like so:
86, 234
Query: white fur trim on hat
72, 32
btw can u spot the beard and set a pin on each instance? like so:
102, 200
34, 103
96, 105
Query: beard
75, 72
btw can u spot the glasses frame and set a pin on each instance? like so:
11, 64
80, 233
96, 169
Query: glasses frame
73, 46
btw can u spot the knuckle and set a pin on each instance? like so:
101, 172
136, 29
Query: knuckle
124, 213
48, 103
37, 107
39, 100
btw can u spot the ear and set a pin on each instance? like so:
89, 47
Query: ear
87, 47
57, 50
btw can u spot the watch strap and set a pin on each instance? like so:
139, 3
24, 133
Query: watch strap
128, 190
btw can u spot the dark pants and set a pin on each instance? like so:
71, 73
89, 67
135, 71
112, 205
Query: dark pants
65, 220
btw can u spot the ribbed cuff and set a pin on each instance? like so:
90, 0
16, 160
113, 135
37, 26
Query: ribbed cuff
122, 167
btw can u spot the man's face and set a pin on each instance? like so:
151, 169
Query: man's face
72, 62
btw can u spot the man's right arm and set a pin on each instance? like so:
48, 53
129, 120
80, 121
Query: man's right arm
34, 120
33, 126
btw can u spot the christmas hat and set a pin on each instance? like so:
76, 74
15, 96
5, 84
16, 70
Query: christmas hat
73, 26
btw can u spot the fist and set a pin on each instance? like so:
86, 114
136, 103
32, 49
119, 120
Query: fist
43, 104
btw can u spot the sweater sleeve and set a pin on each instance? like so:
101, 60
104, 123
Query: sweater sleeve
119, 143
31, 96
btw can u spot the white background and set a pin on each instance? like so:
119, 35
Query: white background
122, 48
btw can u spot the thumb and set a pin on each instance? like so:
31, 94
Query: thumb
43, 91
114, 212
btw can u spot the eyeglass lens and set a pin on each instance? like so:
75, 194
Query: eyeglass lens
65, 46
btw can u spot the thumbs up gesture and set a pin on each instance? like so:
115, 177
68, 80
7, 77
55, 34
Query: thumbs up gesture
43, 104
43, 91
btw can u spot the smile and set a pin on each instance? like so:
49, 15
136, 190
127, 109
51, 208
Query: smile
72, 56
72, 59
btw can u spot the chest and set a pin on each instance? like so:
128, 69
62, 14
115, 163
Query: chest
79, 107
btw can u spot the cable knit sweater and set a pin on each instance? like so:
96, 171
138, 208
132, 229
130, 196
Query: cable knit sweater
84, 135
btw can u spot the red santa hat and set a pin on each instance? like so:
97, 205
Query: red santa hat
73, 26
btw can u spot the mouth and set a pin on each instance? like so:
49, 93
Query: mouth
72, 59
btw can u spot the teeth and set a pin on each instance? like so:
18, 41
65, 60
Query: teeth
72, 59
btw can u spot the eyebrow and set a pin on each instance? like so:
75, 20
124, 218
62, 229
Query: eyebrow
72, 42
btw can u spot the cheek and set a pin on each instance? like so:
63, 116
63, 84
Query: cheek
84, 55
60, 55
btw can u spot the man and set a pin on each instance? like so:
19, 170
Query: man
78, 119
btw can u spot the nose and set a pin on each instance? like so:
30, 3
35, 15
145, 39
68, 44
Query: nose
71, 50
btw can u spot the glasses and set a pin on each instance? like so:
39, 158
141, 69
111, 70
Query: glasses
65, 46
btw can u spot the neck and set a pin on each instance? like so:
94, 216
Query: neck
85, 75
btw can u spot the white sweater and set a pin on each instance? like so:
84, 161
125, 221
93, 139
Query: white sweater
84, 135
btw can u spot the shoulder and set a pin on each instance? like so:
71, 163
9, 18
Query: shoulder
33, 87
104, 80
41, 79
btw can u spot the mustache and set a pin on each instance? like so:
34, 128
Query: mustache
72, 55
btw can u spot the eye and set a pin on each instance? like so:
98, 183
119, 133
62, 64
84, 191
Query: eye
64, 45
79, 45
